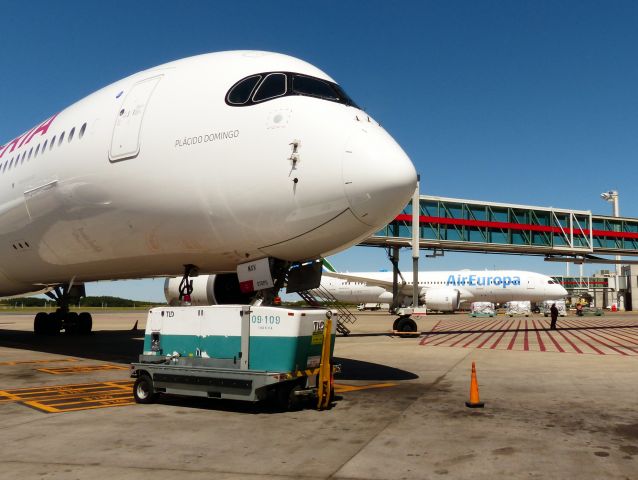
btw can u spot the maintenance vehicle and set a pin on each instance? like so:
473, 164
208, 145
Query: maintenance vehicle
238, 352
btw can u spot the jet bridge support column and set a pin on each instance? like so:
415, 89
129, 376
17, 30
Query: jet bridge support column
416, 210
394, 258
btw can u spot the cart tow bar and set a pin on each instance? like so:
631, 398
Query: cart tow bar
326, 380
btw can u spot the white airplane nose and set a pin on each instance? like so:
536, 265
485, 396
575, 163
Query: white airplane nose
379, 177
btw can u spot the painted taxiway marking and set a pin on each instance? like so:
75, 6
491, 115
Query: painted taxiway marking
82, 369
48, 360
69, 398
588, 335
86, 396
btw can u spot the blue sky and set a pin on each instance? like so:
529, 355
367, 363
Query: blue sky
529, 102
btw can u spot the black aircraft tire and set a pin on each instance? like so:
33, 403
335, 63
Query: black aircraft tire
71, 323
85, 323
395, 325
51, 324
406, 325
40, 323
143, 390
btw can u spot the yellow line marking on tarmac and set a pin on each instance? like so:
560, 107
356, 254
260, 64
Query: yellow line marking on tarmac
49, 360
341, 388
82, 369
89, 396
66, 398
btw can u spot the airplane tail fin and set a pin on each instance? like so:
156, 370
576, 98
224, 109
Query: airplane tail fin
327, 266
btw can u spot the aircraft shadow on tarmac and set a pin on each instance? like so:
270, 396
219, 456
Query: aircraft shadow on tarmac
124, 346
359, 370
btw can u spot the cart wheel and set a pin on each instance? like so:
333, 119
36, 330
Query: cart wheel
286, 399
143, 390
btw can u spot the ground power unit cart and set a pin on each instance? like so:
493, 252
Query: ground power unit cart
238, 352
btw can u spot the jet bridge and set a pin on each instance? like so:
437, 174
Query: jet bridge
468, 225
453, 224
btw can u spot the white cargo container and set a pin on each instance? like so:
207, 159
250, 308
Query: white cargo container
482, 309
518, 308
547, 305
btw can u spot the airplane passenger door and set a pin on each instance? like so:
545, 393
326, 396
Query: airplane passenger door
125, 142
530, 283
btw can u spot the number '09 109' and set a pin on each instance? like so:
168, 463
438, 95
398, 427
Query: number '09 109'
266, 319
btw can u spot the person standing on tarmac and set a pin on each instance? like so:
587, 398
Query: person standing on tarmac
554, 313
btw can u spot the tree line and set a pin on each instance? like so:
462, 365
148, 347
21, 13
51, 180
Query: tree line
103, 301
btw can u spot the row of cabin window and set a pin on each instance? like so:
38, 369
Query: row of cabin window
14, 161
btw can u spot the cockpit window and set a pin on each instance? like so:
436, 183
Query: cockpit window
273, 86
269, 85
313, 87
243, 90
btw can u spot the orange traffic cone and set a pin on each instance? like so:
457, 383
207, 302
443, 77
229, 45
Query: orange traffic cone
474, 392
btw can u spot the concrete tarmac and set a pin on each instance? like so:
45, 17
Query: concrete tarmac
559, 404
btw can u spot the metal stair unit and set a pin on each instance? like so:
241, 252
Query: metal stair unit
316, 296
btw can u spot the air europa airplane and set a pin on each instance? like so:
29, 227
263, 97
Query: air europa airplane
443, 291
208, 161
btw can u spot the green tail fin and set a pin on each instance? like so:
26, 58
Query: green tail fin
328, 266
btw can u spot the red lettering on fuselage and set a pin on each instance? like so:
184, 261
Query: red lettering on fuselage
26, 137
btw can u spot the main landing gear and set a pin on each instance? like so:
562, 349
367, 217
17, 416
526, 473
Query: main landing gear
404, 324
63, 319
186, 285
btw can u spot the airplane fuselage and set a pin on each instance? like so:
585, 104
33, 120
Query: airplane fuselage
161, 169
479, 285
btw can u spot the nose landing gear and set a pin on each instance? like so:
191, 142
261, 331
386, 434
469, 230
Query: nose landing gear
63, 319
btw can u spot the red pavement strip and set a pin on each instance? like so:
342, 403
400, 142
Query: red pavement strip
600, 335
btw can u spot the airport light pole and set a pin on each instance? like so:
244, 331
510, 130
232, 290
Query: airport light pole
612, 197
416, 228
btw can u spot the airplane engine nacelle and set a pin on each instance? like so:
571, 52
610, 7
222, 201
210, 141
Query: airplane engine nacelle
442, 299
218, 289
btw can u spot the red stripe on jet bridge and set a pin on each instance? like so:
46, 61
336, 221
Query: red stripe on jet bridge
511, 226
509, 347
541, 345
498, 340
